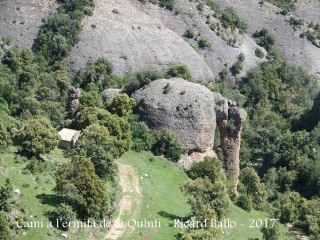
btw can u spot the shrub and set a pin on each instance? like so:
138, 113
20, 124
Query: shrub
189, 33
80, 175
230, 19
5, 195
142, 138
209, 167
5, 139
138, 80
62, 215
168, 4
204, 43
264, 39
258, 52
241, 57
168, 145
122, 105
36, 137
271, 231
179, 70
236, 68
4, 226
115, 11
296, 21
245, 203
166, 88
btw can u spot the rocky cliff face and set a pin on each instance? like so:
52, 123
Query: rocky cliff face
192, 113
133, 41
20, 20
136, 35
296, 50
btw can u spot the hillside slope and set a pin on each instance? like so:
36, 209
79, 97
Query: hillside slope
297, 50
20, 20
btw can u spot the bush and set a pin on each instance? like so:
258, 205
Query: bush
36, 137
245, 203
230, 19
4, 226
5, 195
204, 43
5, 139
264, 39
168, 4
79, 174
142, 138
167, 145
189, 33
271, 231
62, 215
236, 68
122, 105
209, 167
258, 52
177, 70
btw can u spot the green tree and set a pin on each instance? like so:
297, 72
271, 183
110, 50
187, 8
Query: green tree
210, 200
5, 195
271, 231
5, 139
290, 207
95, 133
80, 174
178, 70
63, 214
122, 105
167, 145
119, 128
4, 227
244, 202
36, 136
254, 188
209, 167
142, 138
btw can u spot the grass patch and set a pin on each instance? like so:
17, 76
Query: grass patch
162, 199
37, 197
161, 195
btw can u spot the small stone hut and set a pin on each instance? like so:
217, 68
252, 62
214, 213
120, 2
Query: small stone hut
68, 137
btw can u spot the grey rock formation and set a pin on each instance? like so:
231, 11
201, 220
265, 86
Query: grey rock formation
73, 98
109, 94
296, 50
133, 41
187, 110
20, 20
221, 55
230, 120
192, 112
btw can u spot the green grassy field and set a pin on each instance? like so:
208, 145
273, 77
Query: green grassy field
36, 197
162, 199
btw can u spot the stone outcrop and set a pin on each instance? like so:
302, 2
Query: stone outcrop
21, 20
192, 112
109, 94
230, 120
73, 98
133, 41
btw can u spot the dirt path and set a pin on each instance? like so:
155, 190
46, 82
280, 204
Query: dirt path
129, 203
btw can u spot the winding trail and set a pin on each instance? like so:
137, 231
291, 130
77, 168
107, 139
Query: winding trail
129, 202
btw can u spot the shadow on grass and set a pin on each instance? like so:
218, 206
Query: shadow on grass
50, 199
170, 216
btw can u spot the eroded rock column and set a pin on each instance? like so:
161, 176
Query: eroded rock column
230, 120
